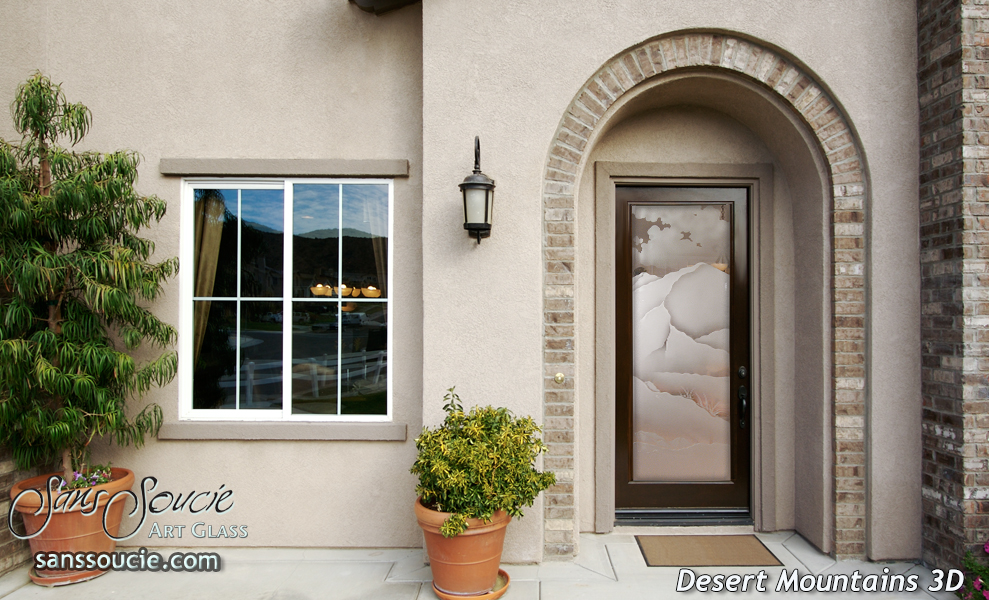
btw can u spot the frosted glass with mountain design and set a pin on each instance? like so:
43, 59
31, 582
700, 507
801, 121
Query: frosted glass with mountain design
681, 344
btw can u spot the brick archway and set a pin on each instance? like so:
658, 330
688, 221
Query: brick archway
839, 150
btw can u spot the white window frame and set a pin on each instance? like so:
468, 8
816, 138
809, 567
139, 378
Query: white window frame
187, 288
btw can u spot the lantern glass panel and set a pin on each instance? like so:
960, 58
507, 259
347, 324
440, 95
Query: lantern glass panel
474, 205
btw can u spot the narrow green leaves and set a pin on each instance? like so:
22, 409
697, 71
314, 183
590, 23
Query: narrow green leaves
41, 112
75, 278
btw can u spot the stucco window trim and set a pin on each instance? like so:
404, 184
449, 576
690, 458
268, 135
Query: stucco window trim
283, 167
275, 430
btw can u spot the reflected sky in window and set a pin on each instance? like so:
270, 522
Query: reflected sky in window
315, 210
263, 210
366, 209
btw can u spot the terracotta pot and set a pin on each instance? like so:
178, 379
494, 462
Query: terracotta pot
71, 531
466, 564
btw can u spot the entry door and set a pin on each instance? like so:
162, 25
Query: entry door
683, 405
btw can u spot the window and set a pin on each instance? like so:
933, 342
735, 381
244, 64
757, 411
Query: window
286, 299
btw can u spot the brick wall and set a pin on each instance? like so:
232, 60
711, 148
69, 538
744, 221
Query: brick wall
13, 551
952, 80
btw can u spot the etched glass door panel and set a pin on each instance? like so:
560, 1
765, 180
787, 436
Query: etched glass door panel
680, 354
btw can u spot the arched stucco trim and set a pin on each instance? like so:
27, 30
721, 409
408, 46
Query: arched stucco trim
840, 149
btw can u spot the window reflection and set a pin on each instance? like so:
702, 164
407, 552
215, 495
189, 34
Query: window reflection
363, 358
314, 358
215, 357
315, 240
262, 243
215, 255
357, 366
365, 254
336, 318
260, 344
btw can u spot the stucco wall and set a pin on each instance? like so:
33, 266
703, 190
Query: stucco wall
319, 80
508, 73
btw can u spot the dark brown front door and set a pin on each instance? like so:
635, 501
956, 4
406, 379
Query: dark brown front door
683, 404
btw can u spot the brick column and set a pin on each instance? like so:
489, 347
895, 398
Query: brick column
952, 80
558, 357
13, 551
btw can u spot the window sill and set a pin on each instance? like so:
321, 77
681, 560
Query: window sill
240, 430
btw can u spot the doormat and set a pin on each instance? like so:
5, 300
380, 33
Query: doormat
705, 551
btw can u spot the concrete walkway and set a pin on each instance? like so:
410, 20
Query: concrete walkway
609, 566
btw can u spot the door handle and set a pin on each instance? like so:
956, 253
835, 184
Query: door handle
743, 395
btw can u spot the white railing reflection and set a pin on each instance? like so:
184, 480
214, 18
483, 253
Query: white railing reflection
317, 376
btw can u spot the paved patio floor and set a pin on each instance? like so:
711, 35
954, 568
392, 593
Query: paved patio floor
609, 566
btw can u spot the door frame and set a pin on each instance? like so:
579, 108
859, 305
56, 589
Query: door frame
607, 175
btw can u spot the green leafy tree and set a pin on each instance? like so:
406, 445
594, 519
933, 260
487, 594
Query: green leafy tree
75, 280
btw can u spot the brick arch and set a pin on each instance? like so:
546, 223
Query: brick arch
839, 149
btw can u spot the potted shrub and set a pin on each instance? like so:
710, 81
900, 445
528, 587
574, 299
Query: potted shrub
74, 283
476, 471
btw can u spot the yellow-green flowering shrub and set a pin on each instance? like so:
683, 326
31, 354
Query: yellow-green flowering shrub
478, 463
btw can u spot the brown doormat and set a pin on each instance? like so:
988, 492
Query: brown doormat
705, 551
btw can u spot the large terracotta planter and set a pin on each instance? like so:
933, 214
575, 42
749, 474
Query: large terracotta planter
71, 531
466, 564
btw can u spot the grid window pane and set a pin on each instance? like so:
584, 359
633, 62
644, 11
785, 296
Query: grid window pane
364, 358
263, 217
260, 345
323, 350
314, 358
214, 354
215, 252
315, 240
365, 231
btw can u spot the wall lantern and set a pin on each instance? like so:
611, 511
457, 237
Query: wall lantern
479, 192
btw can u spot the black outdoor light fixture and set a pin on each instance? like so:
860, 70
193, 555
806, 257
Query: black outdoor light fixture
479, 193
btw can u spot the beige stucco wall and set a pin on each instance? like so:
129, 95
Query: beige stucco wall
324, 80
319, 80
508, 73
